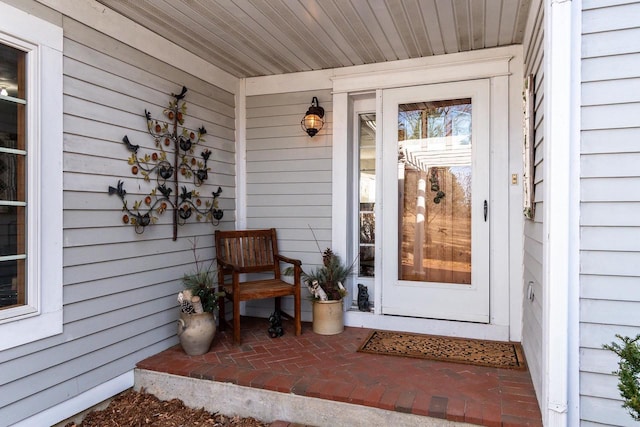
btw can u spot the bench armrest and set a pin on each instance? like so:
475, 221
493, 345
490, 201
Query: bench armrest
289, 260
225, 265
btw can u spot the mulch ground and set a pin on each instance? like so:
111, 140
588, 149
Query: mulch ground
133, 409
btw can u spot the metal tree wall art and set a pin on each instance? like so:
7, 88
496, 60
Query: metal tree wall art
173, 166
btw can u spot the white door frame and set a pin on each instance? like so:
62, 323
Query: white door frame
505, 76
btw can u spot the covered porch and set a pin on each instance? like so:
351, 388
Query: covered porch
377, 389
251, 68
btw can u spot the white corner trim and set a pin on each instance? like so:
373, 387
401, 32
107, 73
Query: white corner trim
79, 403
111, 23
241, 156
559, 238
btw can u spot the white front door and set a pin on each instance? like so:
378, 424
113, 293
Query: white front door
435, 177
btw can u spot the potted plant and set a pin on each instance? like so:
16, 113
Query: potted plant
326, 286
199, 305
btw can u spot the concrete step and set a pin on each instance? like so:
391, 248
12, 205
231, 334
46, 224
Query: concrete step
281, 409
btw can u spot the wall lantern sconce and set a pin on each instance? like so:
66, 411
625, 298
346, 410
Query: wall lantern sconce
313, 119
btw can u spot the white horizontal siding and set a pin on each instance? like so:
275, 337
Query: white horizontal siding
624, 189
610, 116
610, 312
611, 141
610, 263
611, 67
621, 15
617, 42
598, 360
611, 238
595, 335
604, 412
616, 288
610, 91
610, 178
119, 287
289, 177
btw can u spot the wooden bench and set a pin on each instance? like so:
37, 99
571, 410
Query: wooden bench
253, 251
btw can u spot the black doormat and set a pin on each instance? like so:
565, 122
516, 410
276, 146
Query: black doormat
495, 354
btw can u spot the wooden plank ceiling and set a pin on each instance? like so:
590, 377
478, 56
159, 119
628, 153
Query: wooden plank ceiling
249, 38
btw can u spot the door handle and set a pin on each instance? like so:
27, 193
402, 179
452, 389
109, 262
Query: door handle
486, 210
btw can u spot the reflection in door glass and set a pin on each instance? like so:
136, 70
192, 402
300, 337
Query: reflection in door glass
434, 184
367, 188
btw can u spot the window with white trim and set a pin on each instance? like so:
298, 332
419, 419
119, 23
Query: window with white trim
30, 178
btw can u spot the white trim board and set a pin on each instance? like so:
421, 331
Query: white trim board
481, 331
111, 23
407, 72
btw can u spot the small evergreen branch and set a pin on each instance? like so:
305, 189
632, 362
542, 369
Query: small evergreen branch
628, 372
201, 282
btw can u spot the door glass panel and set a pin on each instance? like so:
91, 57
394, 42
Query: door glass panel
367, 189
434, 184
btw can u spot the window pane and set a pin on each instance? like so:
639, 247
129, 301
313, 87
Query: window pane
9, 123
13, 184
12, 177
367, 157
12, 71
12, 244
12, 291
10, 235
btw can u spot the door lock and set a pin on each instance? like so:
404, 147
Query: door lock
486, 210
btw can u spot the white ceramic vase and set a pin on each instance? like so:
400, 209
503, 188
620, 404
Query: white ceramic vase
196, 332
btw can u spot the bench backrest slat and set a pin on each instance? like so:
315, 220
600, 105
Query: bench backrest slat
252, 251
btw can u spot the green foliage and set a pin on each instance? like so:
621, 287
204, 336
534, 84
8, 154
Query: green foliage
201, 283
331, 276
628, 373
332, 272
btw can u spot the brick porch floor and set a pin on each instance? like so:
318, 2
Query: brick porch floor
329, 367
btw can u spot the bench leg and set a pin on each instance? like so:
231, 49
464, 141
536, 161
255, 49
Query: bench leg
297, 313
236, 320
222, 319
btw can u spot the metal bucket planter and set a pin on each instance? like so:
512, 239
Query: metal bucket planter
328, 317
196, 332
